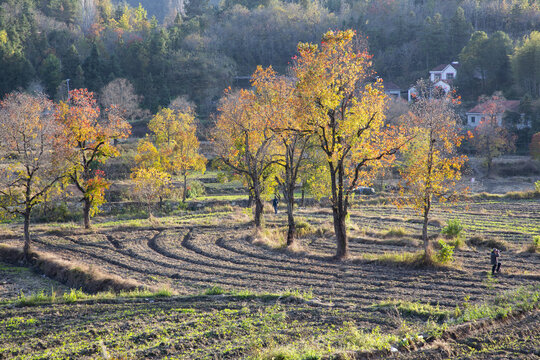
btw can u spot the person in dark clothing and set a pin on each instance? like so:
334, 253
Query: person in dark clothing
495, 261
275, 203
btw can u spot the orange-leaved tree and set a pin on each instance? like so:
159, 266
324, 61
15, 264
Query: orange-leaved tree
173, 147
31, 158
89, 135
431, 166
343, 106
244, 140
491, 138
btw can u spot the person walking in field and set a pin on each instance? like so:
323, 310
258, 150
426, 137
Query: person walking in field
275, 203
495, 261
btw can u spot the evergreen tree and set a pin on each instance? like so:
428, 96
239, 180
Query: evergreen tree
93, 70
50, 73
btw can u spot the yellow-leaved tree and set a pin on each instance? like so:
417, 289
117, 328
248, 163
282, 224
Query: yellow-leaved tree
172, 148
343, 107
431, 166
244, 140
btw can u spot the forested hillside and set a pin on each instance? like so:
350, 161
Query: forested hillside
169, 48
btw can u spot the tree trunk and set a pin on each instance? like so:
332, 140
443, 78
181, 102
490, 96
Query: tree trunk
339, 211
259, 208
291, 233
86, 213
303, 196
427, 247
341, 234
27, 241
185, 189
250, 199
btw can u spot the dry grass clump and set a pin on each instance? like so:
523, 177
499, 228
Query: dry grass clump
396, 231
304, 228
480, 241
324, 229
69, 273
271, 238
534, 246
412, 260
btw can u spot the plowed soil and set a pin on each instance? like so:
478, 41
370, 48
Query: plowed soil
195, 255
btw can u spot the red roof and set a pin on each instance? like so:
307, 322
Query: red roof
508, 105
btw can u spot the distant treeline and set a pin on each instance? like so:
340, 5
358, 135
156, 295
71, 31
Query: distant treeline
197, 48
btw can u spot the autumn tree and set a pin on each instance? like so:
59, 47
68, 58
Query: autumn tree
276, 94
173, 147
243, 139
491, 138
89, 135
120, 94
431, 166
30, 156
344, 110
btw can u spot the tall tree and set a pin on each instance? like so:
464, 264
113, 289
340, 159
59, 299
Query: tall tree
491, 139
243, 139
460, 31
120, 93
431, 166
277, 95
344, 110
526, 64
485, 64
89, 135
173, 147
30, 154
51, 73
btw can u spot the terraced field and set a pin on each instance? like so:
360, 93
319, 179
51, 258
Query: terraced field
195, 253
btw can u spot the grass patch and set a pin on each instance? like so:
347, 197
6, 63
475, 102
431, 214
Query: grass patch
396, 231
414, 309
521, 299
343, 340
480, 241
75, 295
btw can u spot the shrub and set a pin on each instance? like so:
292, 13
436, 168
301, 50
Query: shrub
445, 253
195, 189
56, 212
489, 243
214, 290
537, 186
534, 246
453, 229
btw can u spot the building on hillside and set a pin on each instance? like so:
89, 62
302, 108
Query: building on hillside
478, 113
391, 89
441, 76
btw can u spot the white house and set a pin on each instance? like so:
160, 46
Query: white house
441, 76
478, 113
444, 72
